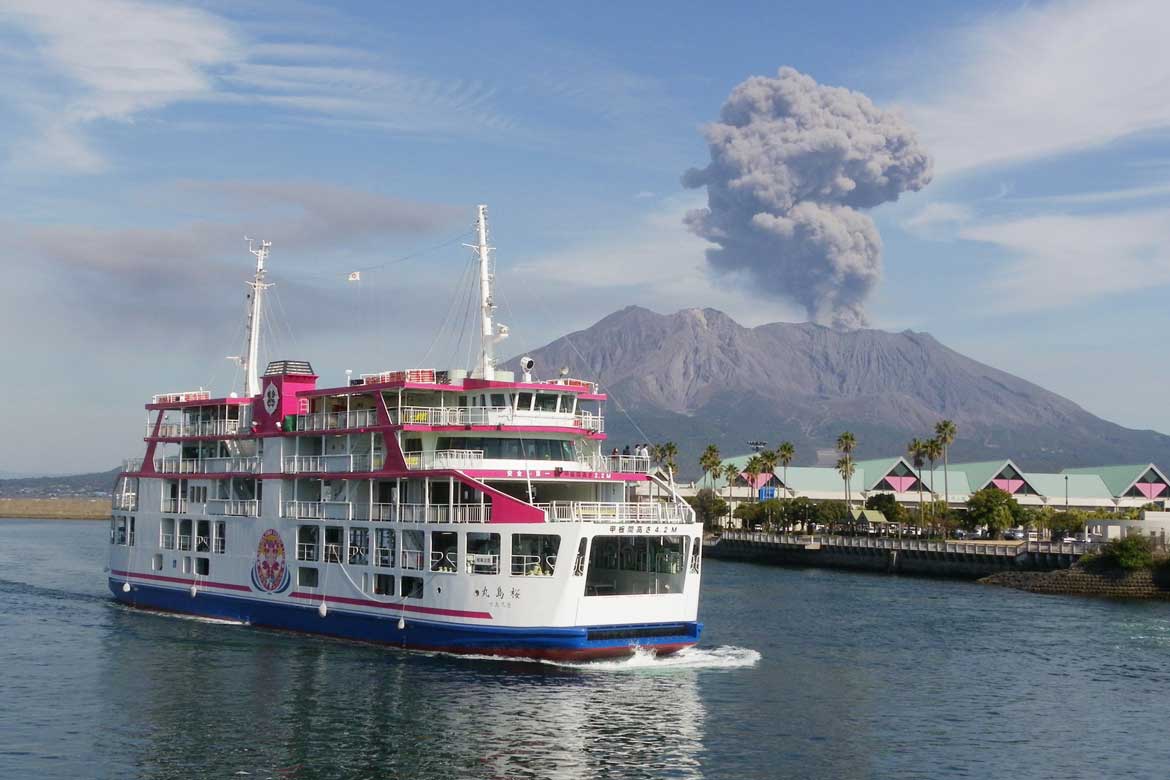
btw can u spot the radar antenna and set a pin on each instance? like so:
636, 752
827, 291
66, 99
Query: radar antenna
489, 334
256, 297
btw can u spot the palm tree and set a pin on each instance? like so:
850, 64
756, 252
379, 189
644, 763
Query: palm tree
845, 469
785, 453
730, 473
666, 454
769, 459
711, 463
917, 451
846, 443
754, 467
945, 432
933, 453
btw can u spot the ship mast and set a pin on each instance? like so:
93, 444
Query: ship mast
489, 334
258, 285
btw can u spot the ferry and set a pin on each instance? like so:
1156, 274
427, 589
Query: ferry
466, 510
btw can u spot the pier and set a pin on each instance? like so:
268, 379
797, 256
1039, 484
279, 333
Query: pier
938, 558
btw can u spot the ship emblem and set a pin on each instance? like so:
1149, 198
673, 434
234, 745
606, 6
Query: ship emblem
271, 398
270, 572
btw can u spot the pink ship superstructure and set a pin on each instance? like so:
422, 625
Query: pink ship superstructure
464, 510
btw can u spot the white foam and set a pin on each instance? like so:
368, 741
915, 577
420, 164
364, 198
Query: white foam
722, 657
180, 616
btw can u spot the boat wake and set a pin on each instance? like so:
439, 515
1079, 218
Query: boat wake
722, 657
179, 615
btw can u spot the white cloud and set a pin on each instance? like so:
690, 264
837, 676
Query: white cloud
1045, 80
937, 221
1062, 260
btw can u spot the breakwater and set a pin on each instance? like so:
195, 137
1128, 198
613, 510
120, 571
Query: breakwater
1081, 581
965, 560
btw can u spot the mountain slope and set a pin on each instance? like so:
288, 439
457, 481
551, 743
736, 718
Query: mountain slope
698, 377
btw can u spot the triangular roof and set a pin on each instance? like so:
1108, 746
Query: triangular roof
981, 473
1119, 479
869, 515
878, 469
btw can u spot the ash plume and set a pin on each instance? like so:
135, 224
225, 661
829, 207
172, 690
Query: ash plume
792, 161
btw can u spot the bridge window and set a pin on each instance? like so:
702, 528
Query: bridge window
546, 402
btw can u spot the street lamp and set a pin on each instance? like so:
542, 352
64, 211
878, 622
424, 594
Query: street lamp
757, 445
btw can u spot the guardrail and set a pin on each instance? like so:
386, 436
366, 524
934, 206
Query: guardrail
1011, 549
492, 416
178, 430
443, 459
329, 421
233, 507
317, 510
174, 465
617, 512
319, 464
174, 505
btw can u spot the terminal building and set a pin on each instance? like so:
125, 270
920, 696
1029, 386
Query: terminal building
1088, 488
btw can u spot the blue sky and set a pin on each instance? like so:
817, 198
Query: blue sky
142, 140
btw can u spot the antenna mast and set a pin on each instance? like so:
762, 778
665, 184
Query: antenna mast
258, 285
489, 334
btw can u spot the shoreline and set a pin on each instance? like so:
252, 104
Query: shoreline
88, 509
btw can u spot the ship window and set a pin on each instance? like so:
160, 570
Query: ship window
384, 584
412, 444
219, 543
546, 402
203, 536
579, 564
121, 530
499, 399
412, 587
384, 547
333, 541
524, 402
307, 576
567, 403
166, 536
636, 565
483, 553
156, 562
130, 533
307, 536
359, 546
444, 551
184, 534
186, 564
203, 566
534, 555
491, 448
113, 529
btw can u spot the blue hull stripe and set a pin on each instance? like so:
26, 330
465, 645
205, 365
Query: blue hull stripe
421, 634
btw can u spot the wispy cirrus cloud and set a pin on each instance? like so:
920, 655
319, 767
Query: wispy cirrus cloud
72, 68
1046, 79
1060, 260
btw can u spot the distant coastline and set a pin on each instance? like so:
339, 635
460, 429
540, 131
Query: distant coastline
55, 508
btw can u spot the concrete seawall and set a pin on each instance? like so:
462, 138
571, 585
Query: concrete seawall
1141, 584
964, 560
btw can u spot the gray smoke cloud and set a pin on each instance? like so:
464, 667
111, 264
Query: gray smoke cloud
792, 161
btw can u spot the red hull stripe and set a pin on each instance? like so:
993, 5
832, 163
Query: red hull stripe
316, 597
182, 581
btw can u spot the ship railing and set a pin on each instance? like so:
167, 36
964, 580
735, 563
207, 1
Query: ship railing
185, 542
332, 553
230, 465
412, 513
183, 397
615, 512
318, 510
217, 545
330, 421
176, 430
444, 459
533, 565
166, 541
383, 512
303, 464
412, 560
306, 551
471, 513
384, 557
132, 464
444, 562
482, 563
628, 464
174, 505
233, 507
127, 502
493, 415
